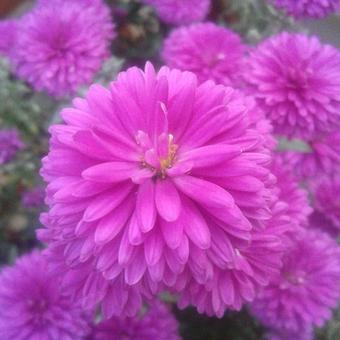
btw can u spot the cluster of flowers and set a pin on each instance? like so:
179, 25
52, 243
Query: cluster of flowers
186, 180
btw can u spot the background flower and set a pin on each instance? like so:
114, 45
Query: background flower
210, 51
327, 200
155, 323
296, 81
180, 12
67, 54
10, 143
32, 307
8, 32
307, 288
308, 8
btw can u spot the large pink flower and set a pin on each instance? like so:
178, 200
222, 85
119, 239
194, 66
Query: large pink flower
307, 289
154, 182
296, 80
62, 44
208, 50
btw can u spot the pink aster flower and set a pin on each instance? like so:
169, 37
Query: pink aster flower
67, 54
319, 221
304, 334
156, 323
307, 289
8, 31
321, 158
33, 197
32, 307
290, 192
180, 12
208, 50
10, 143
327, 199
126, 173
296, 80
308, 8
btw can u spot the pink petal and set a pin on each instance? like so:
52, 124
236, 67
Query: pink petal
106, 202
109, 172
153, 248
167, 199
196, 227
145, 206
213, 196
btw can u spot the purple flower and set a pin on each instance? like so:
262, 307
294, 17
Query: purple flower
210, 51
290, 192
319, 221
180, 12
32, 307
296, 80
62, 44
308, 8
327, 199
305, 334
307, 289
156, 323
8, 31
10, 143
153, 183
323, 157
33, 198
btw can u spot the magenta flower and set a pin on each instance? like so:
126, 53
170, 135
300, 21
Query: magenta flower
327, 199
307, 288
208, 50
308, 8
156, 323
8, 31
290, 192
67, 54
305, 334
323, 157
296, 81
33, 198
180, 12
126, 173
32, 307
10, 143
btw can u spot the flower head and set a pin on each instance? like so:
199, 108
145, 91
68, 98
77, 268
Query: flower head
321, 157
33, 197
10, 143
308, 8
32, 307
208, 50
180, 12
296, 80
290, 192
327, 199
307, 289
127, 216
8, 31
67, 54
156, 323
